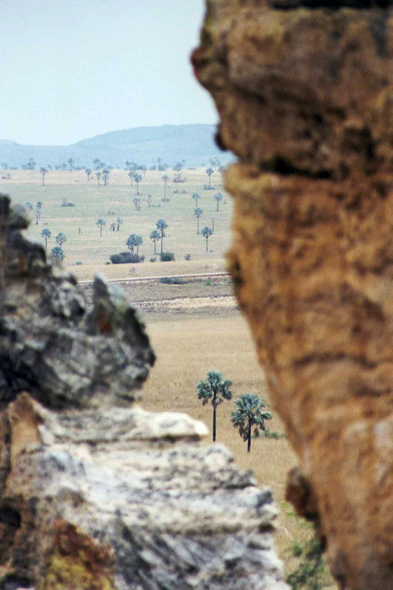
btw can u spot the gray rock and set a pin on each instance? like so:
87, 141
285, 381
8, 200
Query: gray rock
50, 345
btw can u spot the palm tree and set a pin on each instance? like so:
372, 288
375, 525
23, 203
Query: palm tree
119, 222
38, 211
137, 203
196, 197
161, 226
134, 241
218, 197
57, 253
88, 173
249, 415
207, 232
60, 239
105, 176
71, 163
131, 174
165, 178
46, 234
43, 172
101, 223
198, 212
149, 200
98, 176
137, 178
209, 172
96, 163
138, 242
215, 389
155, 236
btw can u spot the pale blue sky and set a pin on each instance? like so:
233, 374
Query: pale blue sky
74, 69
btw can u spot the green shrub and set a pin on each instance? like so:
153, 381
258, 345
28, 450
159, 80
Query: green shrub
167, 257
126, 258
171, 281
187, 257
311, 573
153, 259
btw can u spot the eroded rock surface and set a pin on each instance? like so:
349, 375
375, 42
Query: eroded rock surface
94, 494
126, 499
305, 95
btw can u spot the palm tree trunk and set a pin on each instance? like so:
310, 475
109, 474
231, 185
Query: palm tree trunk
197, 225
162, 243
249, 438
214, 421
207, 244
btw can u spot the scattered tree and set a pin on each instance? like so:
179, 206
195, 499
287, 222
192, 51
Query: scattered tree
131, 175
38, 211
249, 415
137, 178
137, 203
119, 222
155, 236
198, 212
215, 389
165, 178
88, 174
101, 224
57, 253
161, 226
218, 197
149, 200
71, 164
138, 242
46, 234
98, 176
207, 232
105, 176
209, 172
133, 241
43, 172
60, 239
96, 163
196, 197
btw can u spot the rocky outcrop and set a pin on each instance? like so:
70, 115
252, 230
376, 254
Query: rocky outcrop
304, 91
126, 499
50, 344
96, 494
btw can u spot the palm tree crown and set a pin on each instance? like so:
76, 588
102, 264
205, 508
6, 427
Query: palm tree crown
249, 415
215, 389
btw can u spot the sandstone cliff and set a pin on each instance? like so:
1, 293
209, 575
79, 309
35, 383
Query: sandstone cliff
304, 90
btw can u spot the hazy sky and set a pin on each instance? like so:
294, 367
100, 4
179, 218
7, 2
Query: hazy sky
74, 69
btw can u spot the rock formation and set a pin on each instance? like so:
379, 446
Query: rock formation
304, 91
97, 494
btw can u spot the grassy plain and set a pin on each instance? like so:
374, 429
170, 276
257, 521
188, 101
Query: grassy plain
188, 343
92, 202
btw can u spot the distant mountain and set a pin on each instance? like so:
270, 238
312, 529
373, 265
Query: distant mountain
172, 143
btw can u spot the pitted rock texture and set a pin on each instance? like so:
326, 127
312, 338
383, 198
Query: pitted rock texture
50, 344
305, 93
127, 500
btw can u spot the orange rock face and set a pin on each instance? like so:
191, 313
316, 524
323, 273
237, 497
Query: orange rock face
305, 97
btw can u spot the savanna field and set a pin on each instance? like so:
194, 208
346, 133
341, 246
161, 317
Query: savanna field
189, 340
